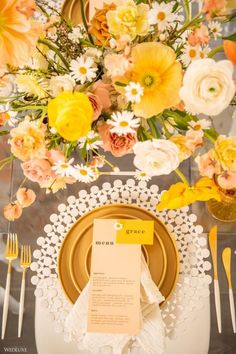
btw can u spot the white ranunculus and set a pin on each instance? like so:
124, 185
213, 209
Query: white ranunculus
59, 84
208, 86
156, 157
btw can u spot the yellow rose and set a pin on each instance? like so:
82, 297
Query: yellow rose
225, 150
128, 18
71, 115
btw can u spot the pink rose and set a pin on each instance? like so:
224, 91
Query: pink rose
227, 180
103, 91
25, 197
37, 170
12, 211
207, 164
199, 36
117, 145
96, 104
55, 156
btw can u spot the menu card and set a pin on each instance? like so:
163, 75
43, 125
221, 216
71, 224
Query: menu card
114, 294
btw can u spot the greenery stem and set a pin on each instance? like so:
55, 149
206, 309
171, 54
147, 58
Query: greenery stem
214, 51
152, 125
181, 176
54, 49
29, 108
6, 161
106, 161
85, 20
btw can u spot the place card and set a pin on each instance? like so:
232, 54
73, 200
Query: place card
114, 294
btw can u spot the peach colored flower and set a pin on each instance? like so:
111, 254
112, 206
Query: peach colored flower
54, 156
120, 42
116, 64
103, 91
37, 170
96, 104
54, 184
97, 161
25, 197
199, 36
4, 117
18, 33
227, 180
12, 211
194, 139
207, 164
27, 141
26, 7
213, 7
117, 145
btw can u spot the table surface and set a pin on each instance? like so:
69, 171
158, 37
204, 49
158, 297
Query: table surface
31, 224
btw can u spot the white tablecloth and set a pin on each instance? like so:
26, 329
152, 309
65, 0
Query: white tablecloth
195, 340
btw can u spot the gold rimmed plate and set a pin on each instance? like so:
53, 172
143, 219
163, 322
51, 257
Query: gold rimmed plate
75, 254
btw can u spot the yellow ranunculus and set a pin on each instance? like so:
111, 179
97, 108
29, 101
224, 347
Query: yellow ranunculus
71, 115
155, 68
180, 194
225, 152
128, 18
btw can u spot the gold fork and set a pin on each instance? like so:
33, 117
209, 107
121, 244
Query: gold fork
11, 255
25, 261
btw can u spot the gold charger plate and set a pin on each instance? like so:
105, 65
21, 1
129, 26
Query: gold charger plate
75, 254
71, 10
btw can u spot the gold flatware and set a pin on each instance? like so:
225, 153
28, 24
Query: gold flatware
226, 257
213, 248
11, 255
25, 261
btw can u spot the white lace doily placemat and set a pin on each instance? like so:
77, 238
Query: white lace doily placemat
193, 282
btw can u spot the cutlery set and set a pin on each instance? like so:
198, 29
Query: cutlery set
25, 261
226, 259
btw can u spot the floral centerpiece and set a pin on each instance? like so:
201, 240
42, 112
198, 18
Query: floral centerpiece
133, 79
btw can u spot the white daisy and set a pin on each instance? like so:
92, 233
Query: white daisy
133, 92
63, 168
142, 176
76, 34
91, 139
190, 54
84, 173
200, 124
162, 15
204, 51
124, 123
83, 69
215, 28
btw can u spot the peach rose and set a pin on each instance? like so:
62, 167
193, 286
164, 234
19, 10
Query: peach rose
96, 104
213, 7
199, 36
117, 145
103, 91
37, 170
116, 64
227, 180
54, 156
207, 164
194, 139
25, 197
27, 141
12, 211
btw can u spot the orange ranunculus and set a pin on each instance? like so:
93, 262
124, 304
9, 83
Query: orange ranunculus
230, 50
18, 33
180, 194
155, 68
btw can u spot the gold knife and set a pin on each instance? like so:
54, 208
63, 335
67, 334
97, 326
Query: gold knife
226, 257
213, 248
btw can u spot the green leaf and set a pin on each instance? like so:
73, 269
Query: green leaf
231, 37
4, 132
152, 122
118, 83
211, 134
83, 151
181, 119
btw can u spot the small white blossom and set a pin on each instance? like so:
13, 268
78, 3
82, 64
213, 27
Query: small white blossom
200, 124
190, 54
83, 173
124, 123
215, 28
63, 168
83, 69
134, 92
162, 15
76, 34
91, 139
142, 176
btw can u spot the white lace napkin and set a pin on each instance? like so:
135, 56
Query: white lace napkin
151, 338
